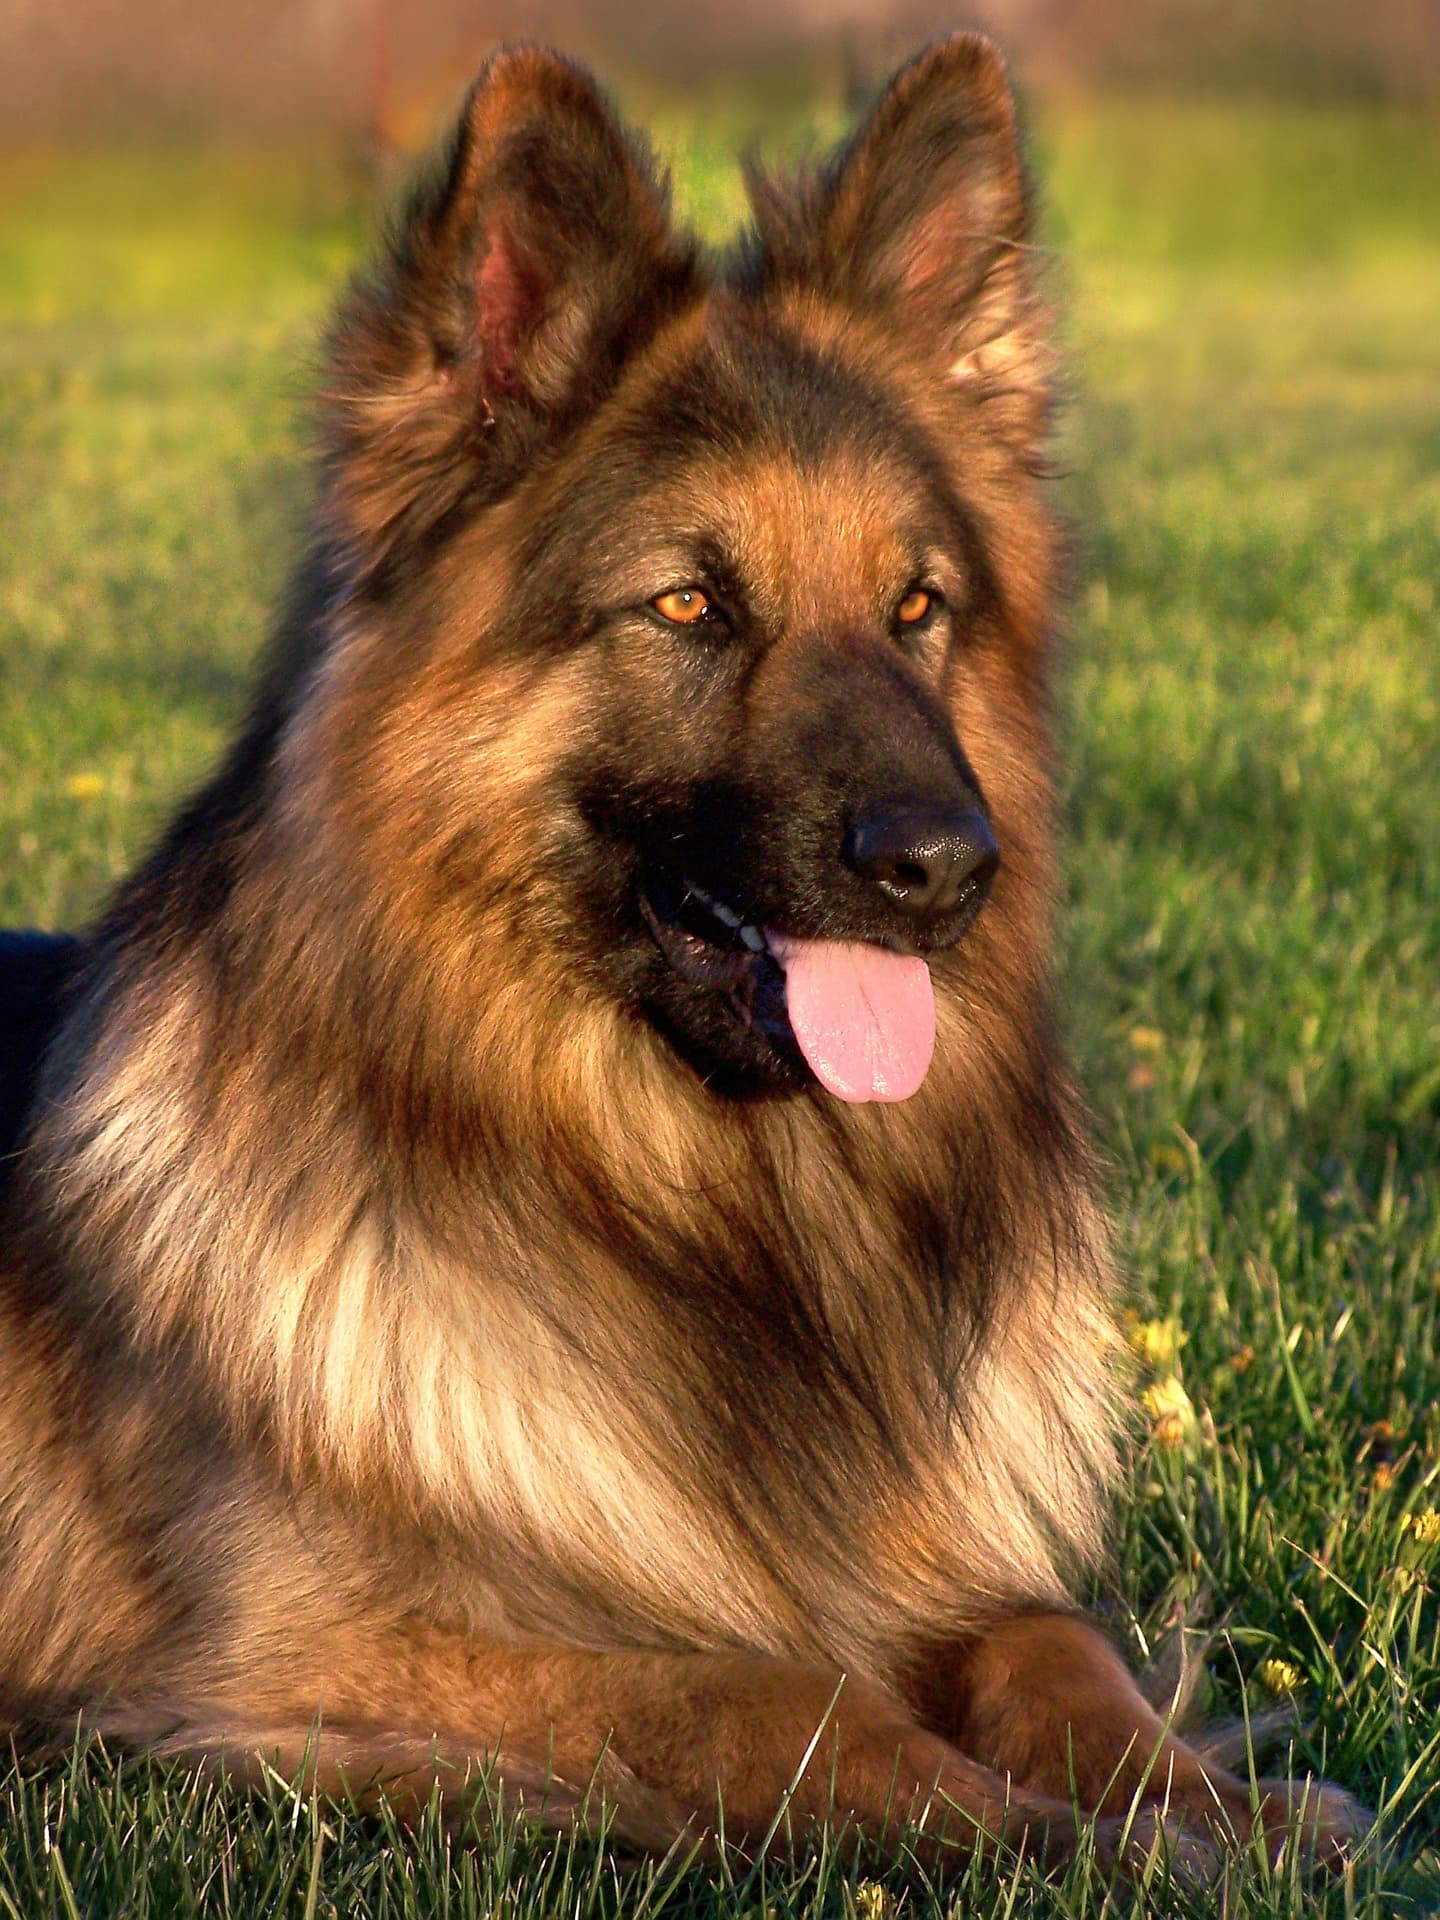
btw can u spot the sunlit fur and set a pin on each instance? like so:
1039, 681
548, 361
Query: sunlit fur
397, 1328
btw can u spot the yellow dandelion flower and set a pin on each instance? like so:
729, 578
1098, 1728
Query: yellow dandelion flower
1278, 1676
1172, 1414
85, 786
1147, 1040
873, 1902
1168, 1396
1156, 1342
1423, 1527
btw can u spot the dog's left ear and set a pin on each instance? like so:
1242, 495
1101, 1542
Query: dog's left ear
519, 279
925, 219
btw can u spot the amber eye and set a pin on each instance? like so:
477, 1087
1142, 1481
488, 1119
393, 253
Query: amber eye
914, 607
683, 606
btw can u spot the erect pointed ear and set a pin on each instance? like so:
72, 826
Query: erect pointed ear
516, 282
925, 216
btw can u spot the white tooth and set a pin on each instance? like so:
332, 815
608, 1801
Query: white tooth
753, 939
724, 913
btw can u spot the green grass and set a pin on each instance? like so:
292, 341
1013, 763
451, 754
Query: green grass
1252, 934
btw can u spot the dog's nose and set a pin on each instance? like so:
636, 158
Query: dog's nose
924, 861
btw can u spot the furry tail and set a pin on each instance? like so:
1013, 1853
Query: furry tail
1176, 1682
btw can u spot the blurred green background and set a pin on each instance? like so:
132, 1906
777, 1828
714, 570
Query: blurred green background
1243, 210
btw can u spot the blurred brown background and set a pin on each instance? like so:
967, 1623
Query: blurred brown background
389, 68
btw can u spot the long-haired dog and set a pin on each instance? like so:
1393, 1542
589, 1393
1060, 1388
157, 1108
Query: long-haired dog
549, 1232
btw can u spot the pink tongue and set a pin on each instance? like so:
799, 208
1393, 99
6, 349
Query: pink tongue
864, 1017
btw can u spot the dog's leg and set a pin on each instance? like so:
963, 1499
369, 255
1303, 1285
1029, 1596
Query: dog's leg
1045, 1698
675, 1743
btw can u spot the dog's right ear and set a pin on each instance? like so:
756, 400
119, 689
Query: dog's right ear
515, 283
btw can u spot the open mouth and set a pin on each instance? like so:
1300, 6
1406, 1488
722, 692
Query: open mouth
706, 942
861, 1017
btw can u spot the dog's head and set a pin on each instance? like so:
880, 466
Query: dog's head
711, 595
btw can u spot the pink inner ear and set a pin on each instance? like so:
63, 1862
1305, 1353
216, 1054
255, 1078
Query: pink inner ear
510, 295
940, 250
929, 251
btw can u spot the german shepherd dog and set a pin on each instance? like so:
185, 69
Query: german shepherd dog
548, 1234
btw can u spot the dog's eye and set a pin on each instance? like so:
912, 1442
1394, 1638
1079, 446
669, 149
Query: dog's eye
683, 606
917, 605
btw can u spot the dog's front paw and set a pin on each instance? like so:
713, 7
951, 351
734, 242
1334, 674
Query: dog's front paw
1151, 1841
1195, 1847
1325, 1821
